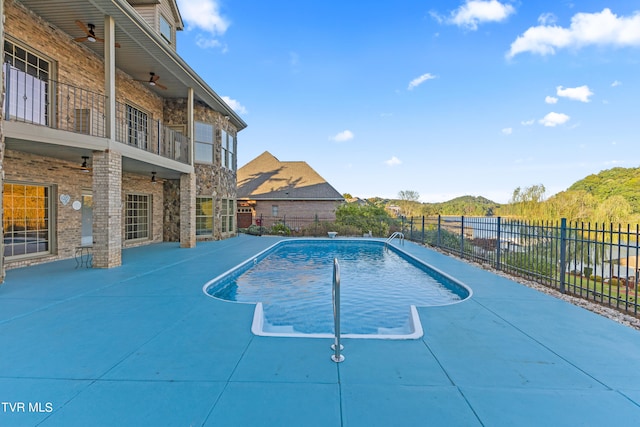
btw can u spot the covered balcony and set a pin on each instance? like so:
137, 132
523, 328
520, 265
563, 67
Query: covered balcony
68, 108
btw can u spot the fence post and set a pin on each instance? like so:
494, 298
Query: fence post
439, 225
462, 236
563, 253
422, 240
411, 229
498, 245
261, 225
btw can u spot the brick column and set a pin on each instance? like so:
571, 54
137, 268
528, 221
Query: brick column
188, 210
107, 209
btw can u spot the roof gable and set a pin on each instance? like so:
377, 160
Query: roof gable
266, 177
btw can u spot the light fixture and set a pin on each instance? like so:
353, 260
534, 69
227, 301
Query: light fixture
84, 167
153, 178
91, 35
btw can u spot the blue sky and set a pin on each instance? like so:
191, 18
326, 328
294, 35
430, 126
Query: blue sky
446, 98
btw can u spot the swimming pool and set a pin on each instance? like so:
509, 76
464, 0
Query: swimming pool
291, 283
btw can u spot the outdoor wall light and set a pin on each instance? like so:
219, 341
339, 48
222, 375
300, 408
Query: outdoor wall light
84, 167
153, 178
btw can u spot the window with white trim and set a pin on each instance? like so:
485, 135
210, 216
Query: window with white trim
137, 219
227, 215
228, 142
166, 29
204, 138
137, 126
27, 219
204, 216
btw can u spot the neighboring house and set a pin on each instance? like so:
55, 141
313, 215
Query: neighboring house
271, 190
111, 139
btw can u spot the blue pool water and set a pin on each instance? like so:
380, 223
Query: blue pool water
293, 281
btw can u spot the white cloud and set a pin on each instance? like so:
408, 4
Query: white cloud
208, 42
547, 19
507, 131
616, 83
600, 28
475, 12
580, 93
554, 119
393, 161
345, 135
419, 80
235, 105
204, 15
551, 100
527, 122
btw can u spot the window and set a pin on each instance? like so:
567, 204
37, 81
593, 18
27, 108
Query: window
204, 216
204, 137
27, 84
228, 151
26, 219
165, 29
137, 125
137, 217
227, 215
274, 210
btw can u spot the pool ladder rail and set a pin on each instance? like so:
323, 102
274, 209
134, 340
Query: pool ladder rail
335, 293
397, 234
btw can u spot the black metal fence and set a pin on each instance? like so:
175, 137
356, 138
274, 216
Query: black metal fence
315, 226
599, 262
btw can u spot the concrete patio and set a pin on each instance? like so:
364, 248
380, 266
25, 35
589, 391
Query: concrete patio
141, 345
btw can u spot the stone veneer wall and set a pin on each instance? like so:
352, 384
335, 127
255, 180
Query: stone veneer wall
171, 219
211, 179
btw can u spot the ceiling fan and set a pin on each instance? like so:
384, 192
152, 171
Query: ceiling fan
89, 29
153, 81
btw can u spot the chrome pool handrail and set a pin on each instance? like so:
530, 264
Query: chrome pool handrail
397, 234
335, 293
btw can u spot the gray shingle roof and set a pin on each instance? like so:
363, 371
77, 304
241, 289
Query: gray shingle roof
267, 178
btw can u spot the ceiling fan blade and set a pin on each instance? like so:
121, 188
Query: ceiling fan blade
116, 44
98, 39
161, 86
81, 39
154, 78
83, 27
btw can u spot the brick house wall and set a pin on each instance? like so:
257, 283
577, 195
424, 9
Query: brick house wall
74, 64
306, 209
66, 178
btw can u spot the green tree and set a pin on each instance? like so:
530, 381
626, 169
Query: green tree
409, 203
365, 218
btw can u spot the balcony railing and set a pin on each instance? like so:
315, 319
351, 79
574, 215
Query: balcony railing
69, 108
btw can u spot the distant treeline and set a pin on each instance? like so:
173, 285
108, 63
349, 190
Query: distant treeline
611, 196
